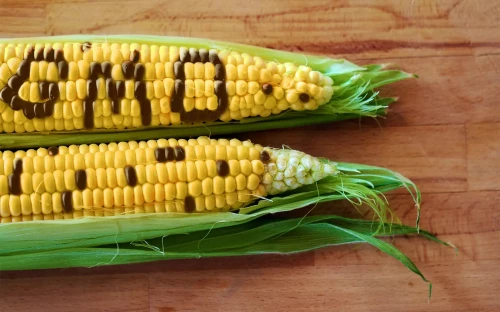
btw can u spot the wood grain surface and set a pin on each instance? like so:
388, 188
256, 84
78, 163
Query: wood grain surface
444, 133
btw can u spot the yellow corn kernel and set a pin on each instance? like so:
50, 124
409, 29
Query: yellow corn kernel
149, 71
209, 88
189, 88
117, 73
73, 71
148, 191
34, 70
218, 185
15, 206
97, 198
116, 57
210, 202
229, 184
231, 72
195, 188
241, 87
38, 183
207, 186
4, 206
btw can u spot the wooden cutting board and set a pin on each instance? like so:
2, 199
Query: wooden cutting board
444, 133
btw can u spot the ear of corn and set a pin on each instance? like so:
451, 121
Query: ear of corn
97, 212
196, 175
156, 85
101, 226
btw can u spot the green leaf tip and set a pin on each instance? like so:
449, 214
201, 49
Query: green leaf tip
258, 236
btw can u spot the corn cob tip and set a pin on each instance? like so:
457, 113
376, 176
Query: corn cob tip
290, 169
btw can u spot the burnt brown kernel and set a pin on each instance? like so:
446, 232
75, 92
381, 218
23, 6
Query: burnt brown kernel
106, 69
38, 108
131, 175
179, 153
81, 179
267, 88
220, 89
53, 91
43, 87
135, 56
176, 104
184, 56
192, 116
17, 166
140, 90
213, 115
49, 54
59, 56
179, 71
197, 115
203, 56
15, 82
111, 89
115, 106
14, 181
146, 116
194, 55
91, 90
169, 153
222, 104
86, 46
23, 70
160, 154
53, 151
29, 111
128, 69
88, 114
220, 72
67, 203
63, 69
304, 97
222, 99
17, 103
213, 57
222, 167
265, 157
95, 70
185, 117
30, 54
6, 95
139, 71
48, 108
120, 89
39, 55
189, 204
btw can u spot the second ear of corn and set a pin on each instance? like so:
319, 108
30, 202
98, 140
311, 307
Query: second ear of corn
72, 86
194, 175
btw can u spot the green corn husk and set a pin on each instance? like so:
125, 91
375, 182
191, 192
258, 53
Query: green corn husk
355, 96
358, 183
136, 238
260, 236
